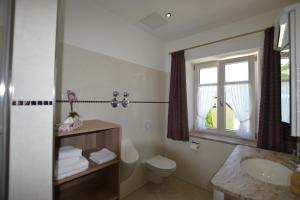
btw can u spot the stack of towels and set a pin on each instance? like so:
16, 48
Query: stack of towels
70, 161
102, 156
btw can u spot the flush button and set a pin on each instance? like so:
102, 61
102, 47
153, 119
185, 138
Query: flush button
148, 125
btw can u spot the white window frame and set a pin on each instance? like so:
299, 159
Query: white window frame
221, 130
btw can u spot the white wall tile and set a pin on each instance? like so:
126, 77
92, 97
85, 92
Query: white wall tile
31, 149
31, 134
34, 49
94, 76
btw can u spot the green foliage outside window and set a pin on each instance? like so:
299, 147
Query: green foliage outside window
211, 118
285, 72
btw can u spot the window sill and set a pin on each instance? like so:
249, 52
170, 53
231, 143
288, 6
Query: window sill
224, 139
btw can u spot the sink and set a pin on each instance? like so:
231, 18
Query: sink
267, 171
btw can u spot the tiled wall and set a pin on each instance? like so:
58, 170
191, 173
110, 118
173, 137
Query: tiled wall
95, 76
31, 139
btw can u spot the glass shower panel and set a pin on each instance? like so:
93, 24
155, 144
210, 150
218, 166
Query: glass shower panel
5, 66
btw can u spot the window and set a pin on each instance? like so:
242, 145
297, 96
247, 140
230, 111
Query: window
225, 96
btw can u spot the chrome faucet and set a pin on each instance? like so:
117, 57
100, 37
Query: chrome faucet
114, 102
125, 101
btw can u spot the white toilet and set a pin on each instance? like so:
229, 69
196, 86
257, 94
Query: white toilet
129, 159
159, 167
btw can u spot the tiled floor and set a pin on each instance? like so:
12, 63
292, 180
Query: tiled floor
171, 189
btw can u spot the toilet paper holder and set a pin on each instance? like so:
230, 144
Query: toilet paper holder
194, 145
194, 142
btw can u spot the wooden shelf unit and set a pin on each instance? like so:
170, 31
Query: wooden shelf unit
98, 181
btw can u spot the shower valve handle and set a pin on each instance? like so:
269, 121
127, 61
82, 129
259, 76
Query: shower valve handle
126, 94
115, 93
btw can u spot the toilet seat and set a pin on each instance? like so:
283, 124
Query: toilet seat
161, 162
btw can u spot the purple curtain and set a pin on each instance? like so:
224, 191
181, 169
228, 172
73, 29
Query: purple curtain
177, 116
273, 134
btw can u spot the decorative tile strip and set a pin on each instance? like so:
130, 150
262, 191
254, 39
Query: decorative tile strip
82, 101
149, 102
31, 103
98, 101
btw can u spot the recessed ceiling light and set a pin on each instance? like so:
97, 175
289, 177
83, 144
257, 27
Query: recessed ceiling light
168, 15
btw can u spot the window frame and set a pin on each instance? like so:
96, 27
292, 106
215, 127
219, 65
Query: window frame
221, 110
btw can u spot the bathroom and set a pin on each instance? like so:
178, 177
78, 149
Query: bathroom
95, 48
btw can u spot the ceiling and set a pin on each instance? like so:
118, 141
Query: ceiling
189, 16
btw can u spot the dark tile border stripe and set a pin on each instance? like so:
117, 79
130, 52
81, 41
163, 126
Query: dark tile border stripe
82, 101
31, 103
50, 103
98, 101
149, 102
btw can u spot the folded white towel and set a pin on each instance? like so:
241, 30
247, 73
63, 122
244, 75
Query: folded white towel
69, 152
102, 153
81, 163
70, 173
61, 163
102, 156
102, 160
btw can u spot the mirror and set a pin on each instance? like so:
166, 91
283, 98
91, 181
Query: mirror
285, 85
281, 32
287, 41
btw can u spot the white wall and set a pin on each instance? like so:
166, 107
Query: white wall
89, 26
198, 167
31, 130
247, 42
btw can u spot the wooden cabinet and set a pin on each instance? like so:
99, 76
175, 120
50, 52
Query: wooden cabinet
99, 182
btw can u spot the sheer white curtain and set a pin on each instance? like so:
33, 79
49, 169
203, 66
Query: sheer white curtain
205, 100
238, 97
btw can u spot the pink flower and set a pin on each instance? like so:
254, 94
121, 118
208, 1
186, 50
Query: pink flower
71, 96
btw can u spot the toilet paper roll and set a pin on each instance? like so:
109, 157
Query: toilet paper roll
194, 147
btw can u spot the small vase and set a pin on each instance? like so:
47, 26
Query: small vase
71, 120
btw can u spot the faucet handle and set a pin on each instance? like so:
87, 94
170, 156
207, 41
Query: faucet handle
115, 93
126, 94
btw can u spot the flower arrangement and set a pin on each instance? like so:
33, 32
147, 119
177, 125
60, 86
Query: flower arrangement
72, 122
72, 98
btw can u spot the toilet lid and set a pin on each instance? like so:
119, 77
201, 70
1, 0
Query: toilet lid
161, 162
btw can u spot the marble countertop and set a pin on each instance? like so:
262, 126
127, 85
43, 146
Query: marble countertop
233, 180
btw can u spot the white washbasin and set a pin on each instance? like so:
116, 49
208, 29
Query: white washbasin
267, 171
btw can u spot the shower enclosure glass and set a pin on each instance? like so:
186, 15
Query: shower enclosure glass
6, 8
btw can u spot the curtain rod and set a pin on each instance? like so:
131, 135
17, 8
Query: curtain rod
221, 40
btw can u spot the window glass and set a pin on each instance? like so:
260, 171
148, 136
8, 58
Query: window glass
236, 72
209, 75
232, 122
207, 107
211, 119
237, 107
